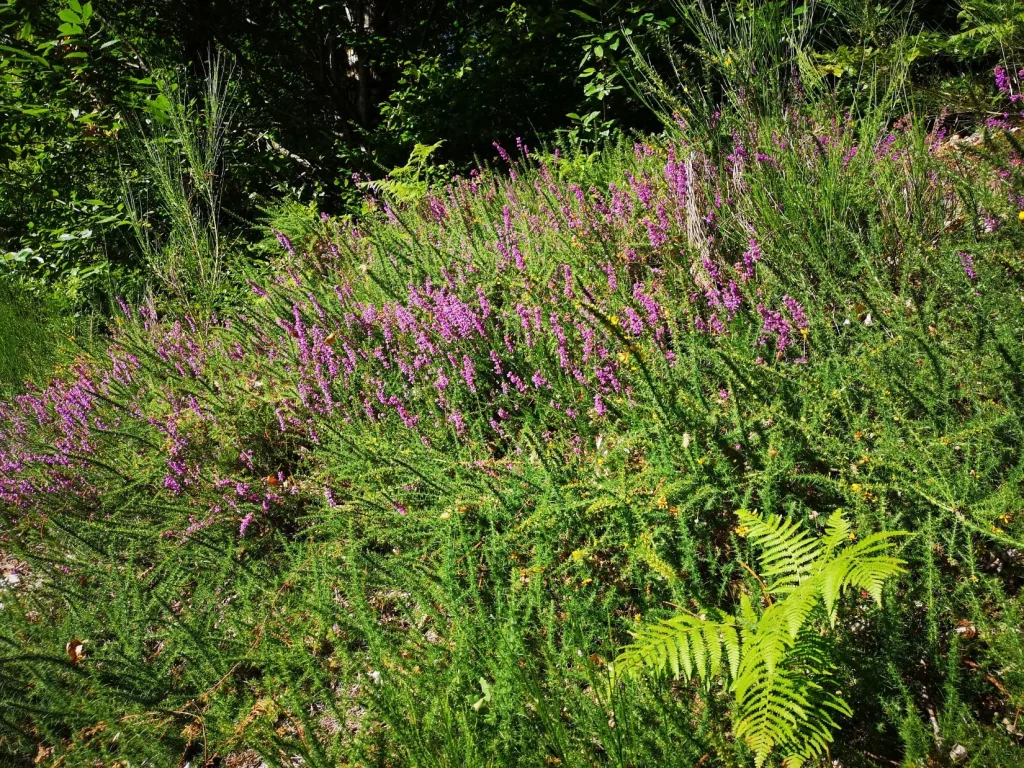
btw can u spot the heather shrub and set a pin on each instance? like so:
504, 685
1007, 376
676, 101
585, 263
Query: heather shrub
405, 505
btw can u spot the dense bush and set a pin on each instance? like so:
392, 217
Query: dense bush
404, 506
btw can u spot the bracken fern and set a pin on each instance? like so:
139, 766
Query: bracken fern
778, 662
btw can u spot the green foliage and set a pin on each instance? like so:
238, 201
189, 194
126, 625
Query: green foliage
331, 89
394, 567
990, 27
62, 92
397, 500
409, 183
29, 339
322, 91
778, 662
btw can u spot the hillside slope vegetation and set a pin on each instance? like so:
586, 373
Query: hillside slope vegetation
404, 504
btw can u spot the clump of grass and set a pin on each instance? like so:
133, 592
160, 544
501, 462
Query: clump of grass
182, 148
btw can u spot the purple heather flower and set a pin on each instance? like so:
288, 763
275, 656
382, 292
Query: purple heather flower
796, 311
774, 324
502, 152
567, 277
282, 238
649, 304
732, 299
968, 266
655, 234
1002, 80
631, 321
750, 258
245, 525
609, 270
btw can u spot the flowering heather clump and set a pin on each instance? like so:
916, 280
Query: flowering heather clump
494, 424
968, 266
1002, 80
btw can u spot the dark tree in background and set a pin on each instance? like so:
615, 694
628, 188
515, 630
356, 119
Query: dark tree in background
323, 89
333, 80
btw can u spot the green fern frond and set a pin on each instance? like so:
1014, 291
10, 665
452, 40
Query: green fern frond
779, 657
688, 646
787, 550
837, 533
861, 566
792, 711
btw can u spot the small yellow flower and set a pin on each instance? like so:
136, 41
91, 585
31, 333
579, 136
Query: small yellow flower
1021, 215
614, 319
662, 503
742, 530
856, 487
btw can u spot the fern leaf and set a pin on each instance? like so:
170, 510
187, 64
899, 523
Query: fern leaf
837, 533
770, 714
789, 712
773, 637
679, 644
676, 644
697, 651
863, 565
713, 643
779, 661
798, 605
787, 550
747, 616
731, 641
